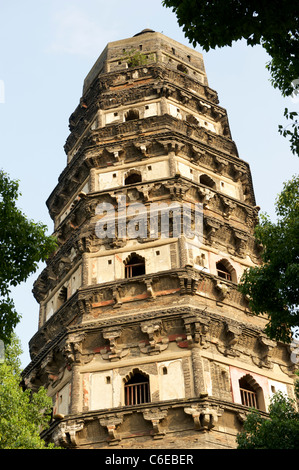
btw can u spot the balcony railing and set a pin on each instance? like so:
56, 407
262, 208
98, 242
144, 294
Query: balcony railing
136, 394
132, 270
224, 274
248, 398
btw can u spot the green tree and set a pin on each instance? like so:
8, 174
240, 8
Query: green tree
23, 244
280, 430
22, 414
273, 25
273, 287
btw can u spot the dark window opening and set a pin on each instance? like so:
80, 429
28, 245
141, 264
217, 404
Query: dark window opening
223, 272
207, 181
133, 178
132, 114
137, 389
135, 266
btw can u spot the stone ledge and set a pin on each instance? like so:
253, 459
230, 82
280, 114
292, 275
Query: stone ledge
206, 416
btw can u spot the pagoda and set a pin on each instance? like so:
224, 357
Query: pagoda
144, 340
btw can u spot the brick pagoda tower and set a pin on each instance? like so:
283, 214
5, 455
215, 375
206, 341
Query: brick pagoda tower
144, 340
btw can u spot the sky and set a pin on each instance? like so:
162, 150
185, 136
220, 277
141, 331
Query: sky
46, 50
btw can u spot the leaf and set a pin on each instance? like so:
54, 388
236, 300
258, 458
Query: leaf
23, 244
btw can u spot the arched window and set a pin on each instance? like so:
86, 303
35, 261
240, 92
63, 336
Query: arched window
250, 391
225, 270
207, 181
134, 266
137, 389
132, 114
222, 271
133, 177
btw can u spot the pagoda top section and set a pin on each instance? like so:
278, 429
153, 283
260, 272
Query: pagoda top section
146, 48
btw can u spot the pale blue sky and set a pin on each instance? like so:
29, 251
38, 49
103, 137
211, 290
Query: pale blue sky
46, 50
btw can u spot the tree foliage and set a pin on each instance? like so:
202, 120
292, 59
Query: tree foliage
22, 414
23, 244
291, 130
271, 24
280, 430
273, 287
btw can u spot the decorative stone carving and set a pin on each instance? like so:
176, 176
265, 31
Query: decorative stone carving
72, 350
221, 164
222, 289
242, 416
232, 337
66, 433
207, 196
205, 417
155, 415
196, 154
115, 351
189, 280
111, 422
212, 226
53, 367
149, 289
266, 347
116, 296
239, 172
196, 329
142, 147
229, 206
241, 242
156, 343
